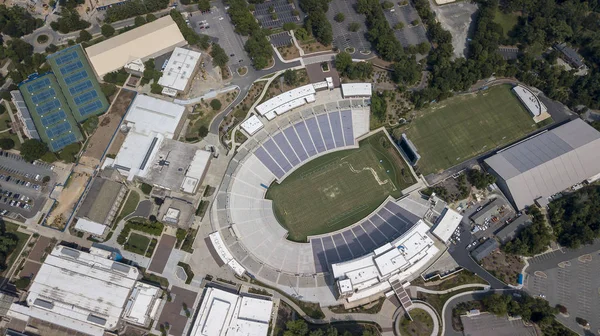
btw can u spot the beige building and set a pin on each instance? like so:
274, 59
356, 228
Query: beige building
148, 41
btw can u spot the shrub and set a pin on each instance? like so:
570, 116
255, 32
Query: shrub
215, 104
339, 17
203, 131
23, 282
146, 188
7, 143
354, 26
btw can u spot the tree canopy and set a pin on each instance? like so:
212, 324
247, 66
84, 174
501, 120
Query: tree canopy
134, 8
575, 218
219, 55
316, 20
69, 21
15, 21
33, 149
533, 239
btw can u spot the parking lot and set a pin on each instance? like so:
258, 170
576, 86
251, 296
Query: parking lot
574, 284
343, 38
218, 26
22, 187
410, 34
281, 39
273, 14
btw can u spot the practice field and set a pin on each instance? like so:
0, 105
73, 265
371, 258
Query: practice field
462, 127
338, 189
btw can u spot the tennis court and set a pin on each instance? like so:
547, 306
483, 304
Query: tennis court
44, 95
48, 107
86, 97
90, 108
81, 87
59, 129
338, 189
462, 127
76, 77
53, 118
71, 67
62, 142
66, 58
38, 85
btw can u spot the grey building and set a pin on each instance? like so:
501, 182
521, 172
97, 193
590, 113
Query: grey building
545, 164
570, 55
24, 116
485, 249
510, 231
487, 211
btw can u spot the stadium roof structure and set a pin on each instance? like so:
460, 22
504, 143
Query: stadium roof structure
533, 104
180, 69
548, 163
79, 291
50, 111
150, 40
224, 313
252, 125
357, 90
80, 87
287, 100
446, 224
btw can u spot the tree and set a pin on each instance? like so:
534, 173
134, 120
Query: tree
296, 328
7, 143
33, 149
51, 48
533, 239
202, 131
150, 17
406, 71
204, 5
479, 179
108, 89
139, 21
354, 26
69, 153
69, 21
16, 21
215, 104
156, 88
497, 304
399, 26
378, 107
387, 5
84, 36
22, 282
290, 77
107, 30
339, 17
289, 26
343, 61
219, 55
423, 48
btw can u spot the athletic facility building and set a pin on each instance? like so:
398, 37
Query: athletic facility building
86, 293
148, 41
532, 103
100, 206
58, 100
548, 163
223, 313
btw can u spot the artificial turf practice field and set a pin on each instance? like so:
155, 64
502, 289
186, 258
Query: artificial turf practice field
338, 189
462, 127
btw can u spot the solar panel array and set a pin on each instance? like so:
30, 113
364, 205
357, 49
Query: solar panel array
389, 223
305, 139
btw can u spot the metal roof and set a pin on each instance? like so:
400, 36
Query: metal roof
485, 249
548, 163
510, 231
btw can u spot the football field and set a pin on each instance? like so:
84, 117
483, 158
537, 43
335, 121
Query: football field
340, 188
462, 127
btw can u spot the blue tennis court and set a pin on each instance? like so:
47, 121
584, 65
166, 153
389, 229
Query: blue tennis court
86, 97
40, 97
47, 107
62, 142
76, 77
38, 85
59, 129
71, 67
68, 57
53, 118
80, 87
90, 108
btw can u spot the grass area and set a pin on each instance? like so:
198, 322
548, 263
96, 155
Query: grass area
129, 207
462, 278
421, 324
337, 189
23, 237
4, 121
151, 248
137, 243
189, 241
154, 279
465, 126
506, 21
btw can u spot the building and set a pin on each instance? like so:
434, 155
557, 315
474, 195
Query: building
489, 210
485, 249
570, 55
287, 101
24, 116
148, 122
370, 275
541, 166
532, 103
446, 224
409, 150
101, 5
85, 293
357, 90
510, 231
100, 206
179, 71
223, 313
148, 41
252, 125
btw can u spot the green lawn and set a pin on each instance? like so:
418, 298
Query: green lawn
465, 126
23, 237
137, 243
338, 189
130, 205
506, 21
421, 324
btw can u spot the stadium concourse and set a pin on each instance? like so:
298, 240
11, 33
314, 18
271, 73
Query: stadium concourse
247, 235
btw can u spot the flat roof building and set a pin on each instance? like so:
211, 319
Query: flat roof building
532, 103
100, 205
485, 249
180, 69
510, 231
446, 224
355, 90
287, 101
252, 125
224, 313
83, 292
548, 163
148, 41
490, 209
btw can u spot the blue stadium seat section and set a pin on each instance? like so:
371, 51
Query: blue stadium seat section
297, 143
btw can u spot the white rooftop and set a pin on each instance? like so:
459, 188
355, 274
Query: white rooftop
447, 224
530, 100
136, 153
179, 69
149, 115
91, 227
195, 172
80, 290
142, 304
224, 314
357, 90
286, 100
252, 125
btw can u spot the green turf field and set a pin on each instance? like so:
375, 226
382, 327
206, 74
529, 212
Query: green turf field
338, 189
462, 127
